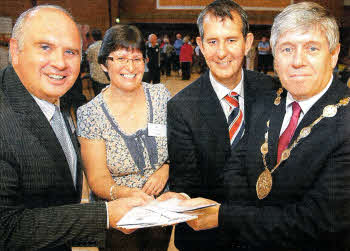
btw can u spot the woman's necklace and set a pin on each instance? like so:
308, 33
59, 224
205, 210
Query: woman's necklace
264, 182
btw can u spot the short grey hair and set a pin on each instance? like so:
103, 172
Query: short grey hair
150, 36
18, 28
223, 9
305, 15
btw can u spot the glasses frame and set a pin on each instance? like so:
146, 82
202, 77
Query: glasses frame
125, 61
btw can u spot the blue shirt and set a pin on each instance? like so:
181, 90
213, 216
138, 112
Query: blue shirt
177, 45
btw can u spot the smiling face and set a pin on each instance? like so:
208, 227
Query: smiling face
224, 47
125, 76
49, 62
303, 62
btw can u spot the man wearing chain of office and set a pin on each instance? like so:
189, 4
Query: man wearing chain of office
289, 186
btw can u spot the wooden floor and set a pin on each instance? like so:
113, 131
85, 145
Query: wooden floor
174, 84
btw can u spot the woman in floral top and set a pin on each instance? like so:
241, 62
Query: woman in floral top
122, 132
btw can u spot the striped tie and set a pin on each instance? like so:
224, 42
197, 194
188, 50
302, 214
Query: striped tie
235, 119
60, 129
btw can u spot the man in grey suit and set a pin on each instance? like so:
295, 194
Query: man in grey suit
207, 119
40, 167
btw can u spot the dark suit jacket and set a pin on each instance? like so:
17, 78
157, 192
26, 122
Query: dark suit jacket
199, 145
309, 205
38, 207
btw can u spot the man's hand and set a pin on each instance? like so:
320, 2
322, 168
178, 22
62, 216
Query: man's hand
171, 195
156, 182
207, 217
118, 208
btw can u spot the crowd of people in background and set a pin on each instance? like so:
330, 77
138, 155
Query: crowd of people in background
177, 56
165, 56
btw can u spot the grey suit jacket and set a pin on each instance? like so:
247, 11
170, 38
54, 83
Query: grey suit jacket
38, 201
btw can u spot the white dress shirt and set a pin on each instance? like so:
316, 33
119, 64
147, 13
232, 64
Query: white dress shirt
221, 91
305, 106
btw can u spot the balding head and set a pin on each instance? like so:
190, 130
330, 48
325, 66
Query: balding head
46, 51
18, 28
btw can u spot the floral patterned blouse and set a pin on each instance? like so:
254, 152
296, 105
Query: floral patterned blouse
131, 158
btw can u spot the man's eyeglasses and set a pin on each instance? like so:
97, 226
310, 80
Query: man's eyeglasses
124, 61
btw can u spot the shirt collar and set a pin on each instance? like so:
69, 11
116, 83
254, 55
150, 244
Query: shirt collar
221, 90
306, 104
47, 108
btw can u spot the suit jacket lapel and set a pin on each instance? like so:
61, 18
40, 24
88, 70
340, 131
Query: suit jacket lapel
32, 118
276, 120
249, 96
331, 97
73, 137
210, 107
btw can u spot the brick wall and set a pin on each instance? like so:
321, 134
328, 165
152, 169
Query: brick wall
95, 13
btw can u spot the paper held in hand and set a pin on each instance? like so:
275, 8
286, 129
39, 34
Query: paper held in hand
159, 213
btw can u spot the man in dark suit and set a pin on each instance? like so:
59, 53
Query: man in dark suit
289, 186
40, 167
153, 57
202, 119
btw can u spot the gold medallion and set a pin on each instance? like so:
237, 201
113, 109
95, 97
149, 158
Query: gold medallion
330, 111
285, 154
305, 132
264, 148
277, 101
264, 184
344, 101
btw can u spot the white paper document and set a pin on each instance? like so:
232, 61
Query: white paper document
158, 213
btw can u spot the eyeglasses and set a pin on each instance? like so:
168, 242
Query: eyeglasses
124, 61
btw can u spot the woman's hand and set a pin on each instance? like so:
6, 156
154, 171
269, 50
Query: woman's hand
156, 182
124, 192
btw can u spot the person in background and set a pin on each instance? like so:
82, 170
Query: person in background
186, 53
40, 165
250, 58
177, 45
264, 55
122, 133
169, 52
153, 59
289, 187
162, 56
98, 77
4, 51
202, 132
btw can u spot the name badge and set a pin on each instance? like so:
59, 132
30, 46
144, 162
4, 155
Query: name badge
156, 130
